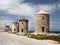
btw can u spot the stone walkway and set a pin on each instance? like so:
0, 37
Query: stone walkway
11, 39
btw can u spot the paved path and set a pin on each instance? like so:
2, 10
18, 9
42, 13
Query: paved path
11, 39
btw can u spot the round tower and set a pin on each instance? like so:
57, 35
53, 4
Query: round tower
7, 28
15, 26
42, 22
23, 26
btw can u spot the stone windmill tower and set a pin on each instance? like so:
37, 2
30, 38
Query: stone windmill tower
42, 22
23, 26
15, 26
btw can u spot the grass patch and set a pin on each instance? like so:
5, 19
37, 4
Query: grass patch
42, 37
55, 38
12, 32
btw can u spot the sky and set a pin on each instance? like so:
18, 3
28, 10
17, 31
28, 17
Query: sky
16, 9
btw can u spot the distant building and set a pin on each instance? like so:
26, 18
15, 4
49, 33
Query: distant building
7, 28
23, 26
42, 22
15, 26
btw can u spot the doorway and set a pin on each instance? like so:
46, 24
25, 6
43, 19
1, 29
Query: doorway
21, 30
42, 29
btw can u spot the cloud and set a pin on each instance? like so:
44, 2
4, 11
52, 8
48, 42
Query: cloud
18, 8
5, 4
36, 2
26, 9
48, 8
58, 6
22, 9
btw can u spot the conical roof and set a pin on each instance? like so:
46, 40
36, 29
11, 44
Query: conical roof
23, 19
15, 21
42, 12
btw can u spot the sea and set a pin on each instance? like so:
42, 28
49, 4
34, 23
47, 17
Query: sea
57, 32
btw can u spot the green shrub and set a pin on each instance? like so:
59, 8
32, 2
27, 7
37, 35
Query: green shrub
41, 37
13, 32
56, 38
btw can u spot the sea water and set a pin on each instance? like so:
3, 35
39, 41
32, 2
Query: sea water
57, 32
